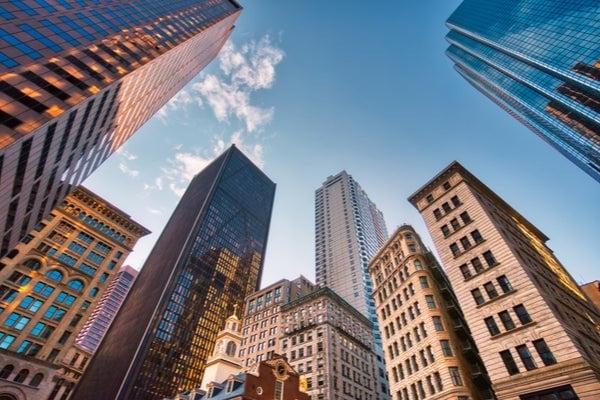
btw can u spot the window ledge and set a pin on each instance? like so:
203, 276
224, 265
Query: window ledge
469, 249
458, 230
482, 272
518, 328
501, 296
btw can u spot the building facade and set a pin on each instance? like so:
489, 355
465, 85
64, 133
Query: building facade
349, 231
536, 331
49, 284
273, 379
208, 259
429, 351
330, 344
262, 324
94, 329
78, 80
540, 61
592, 289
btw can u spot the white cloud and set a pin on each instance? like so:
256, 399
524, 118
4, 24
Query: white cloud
127, 170
153, 211
181, 101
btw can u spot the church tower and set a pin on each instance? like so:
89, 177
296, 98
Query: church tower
224, 361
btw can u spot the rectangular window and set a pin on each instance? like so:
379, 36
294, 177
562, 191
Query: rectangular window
446, 207
437, 213
455, 376
506, 320
489, 258
544, 352
477, 266
454, 249
490, 289
526, 357
455, 224
445, 230
278, 390
477, 236
437, 323
522, 314
455, 201
466, 244
446, 349
477, 296
430, 301
466, 272
466, 218
424, 282
6, 340
504, 284
491, 325
509, 362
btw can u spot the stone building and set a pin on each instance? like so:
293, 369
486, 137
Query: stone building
330, 343
49, 284
261, 331
536, 331
428, 348
592, 289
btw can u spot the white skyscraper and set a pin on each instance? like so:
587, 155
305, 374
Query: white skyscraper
349, 231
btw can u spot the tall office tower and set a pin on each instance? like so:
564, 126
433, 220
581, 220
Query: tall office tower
261, 325
90, 336
349, 231
330, 344
49, 284
429, 348
536, 331
77, 80
540, 61
208, 259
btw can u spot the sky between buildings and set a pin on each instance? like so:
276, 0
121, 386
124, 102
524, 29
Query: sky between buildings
308, 88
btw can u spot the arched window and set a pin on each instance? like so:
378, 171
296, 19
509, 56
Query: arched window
6, 371
55, 275
76, 285
33, 264
36, 380
7, 396
231, 348
21, 376
93, 292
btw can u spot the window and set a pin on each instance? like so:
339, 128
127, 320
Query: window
76, 285
506, 320
30, 303
491, 325
454, 249
429, 198
424, 282
278, 390
36, 380
77, 248
509, 362
54, 313
445, 230
476, 236
522, 314
489, 258
16, 321
7, 370
466, 272
437, 323
526, 357
65, 298
466, 244
477, 266
504, 284
446, 349
437, 213
455, 224
21, 376
42, 330
42, 289
490, 289
544, 352
5, 342
466, 218
446, 207
93, 292
84, 237
455, 376
477, 296
455, 201
430, 301
55, 275
446, 185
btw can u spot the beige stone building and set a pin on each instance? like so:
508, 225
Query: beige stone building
429, 352
536, 331
592, 289
49, 284
331, 345
261, 327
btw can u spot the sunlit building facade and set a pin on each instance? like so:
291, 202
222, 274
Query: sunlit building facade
49, 285
540, 61
349, 229
207, 260
94, 329
78, 79
537, 333
429, 351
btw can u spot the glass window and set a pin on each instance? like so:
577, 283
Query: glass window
489, 258
93, 292
477, 296
42, 289
504, 284
526, 357
446, 348
544, 352
454, 249
506, 320
34, 33
58, 31
430, 301
6, 340
522, 314
17, 43
466, 272
455, 376
76, 284
437, 323
424, 282
490, 289
477, 236
55, 275
509, 362
491, 325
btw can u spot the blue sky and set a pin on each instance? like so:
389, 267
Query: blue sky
310, 88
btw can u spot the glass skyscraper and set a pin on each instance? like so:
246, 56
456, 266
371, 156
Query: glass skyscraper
349, 230
78, 78
540, 61
207, 260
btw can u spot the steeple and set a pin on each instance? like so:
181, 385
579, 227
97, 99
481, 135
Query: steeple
225, 361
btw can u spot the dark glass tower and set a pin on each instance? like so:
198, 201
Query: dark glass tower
78, 78
540, 61
207, 259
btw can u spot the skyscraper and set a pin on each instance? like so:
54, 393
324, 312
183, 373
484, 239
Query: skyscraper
537, 333
49, 285
77, 80
208, 259
540, 61
93, 330
430, 351
349, 231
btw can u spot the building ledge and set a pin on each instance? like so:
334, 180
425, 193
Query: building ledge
515, 329
482, 272
462, 253
458, 230
501, 296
